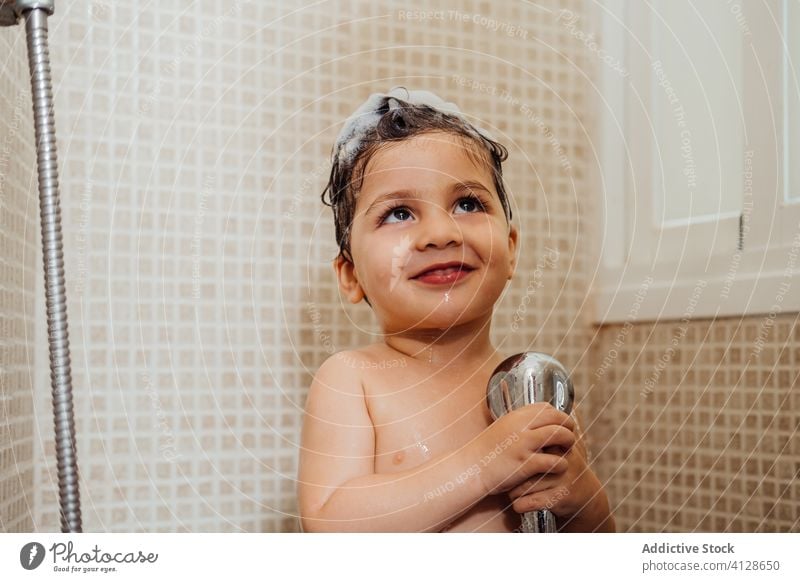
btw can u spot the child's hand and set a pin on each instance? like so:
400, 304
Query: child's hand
565, 494
510, 450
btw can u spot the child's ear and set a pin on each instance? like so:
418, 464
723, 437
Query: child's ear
348, 279
513, 238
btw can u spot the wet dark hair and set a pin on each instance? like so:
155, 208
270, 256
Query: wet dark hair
395, 125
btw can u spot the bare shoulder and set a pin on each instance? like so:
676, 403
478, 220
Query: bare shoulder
377, 356
341, 371
350, 357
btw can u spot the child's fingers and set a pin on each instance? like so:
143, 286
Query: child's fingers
557, 450
550, 436
535, 484
547, 499
543, 414
539, 463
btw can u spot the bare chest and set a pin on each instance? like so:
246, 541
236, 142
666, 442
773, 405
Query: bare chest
417, 416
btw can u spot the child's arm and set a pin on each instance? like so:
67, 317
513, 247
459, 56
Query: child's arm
338, 489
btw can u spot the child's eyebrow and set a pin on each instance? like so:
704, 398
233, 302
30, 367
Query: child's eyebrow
407, 193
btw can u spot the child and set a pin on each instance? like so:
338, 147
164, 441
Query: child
397, 436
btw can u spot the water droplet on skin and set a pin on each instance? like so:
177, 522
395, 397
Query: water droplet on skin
421, 444
446, 297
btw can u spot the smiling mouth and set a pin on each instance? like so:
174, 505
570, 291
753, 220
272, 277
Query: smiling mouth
444, 276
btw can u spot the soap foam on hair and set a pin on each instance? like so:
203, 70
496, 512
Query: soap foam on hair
367, 116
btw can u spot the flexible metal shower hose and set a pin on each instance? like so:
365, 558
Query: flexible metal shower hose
60, 373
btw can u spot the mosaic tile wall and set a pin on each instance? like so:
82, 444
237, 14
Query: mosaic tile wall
19, 239
697, 425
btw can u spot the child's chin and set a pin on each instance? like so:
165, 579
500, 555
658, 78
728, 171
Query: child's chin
443, 317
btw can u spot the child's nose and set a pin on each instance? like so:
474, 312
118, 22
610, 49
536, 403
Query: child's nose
439, 229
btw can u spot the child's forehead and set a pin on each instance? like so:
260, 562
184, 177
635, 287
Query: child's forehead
440, 156
433, 142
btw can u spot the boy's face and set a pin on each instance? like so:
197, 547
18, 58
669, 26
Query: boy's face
414, 211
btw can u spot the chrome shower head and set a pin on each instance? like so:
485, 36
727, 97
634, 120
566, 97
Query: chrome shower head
528, 378
523, 379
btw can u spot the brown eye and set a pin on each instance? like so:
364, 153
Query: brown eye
471, 204
394, 212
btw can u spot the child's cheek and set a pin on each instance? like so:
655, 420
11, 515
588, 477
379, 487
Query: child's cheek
496, 251
376, 264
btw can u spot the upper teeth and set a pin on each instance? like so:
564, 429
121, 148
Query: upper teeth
446, 271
